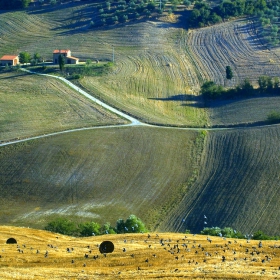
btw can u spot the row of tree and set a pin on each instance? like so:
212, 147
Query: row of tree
203, 15
231, 233
13, 4
65, 226
267, 85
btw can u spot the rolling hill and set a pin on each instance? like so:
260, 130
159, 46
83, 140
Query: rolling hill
165, 175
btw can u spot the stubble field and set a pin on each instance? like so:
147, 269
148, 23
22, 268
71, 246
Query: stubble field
136, 256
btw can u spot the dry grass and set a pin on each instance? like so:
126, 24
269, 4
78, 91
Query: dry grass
177, 256
37, 105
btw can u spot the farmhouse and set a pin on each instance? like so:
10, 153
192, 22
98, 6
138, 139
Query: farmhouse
10, 60
67, 55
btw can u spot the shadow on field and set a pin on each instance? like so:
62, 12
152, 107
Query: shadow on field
16, 74
192, 100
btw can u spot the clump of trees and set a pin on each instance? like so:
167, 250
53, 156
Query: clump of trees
267, 85
65, 226
25, 57
13, 4
231, 233
268, 13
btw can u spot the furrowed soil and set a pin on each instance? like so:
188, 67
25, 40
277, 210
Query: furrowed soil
153, 256
103, 174
238, 184
34, 105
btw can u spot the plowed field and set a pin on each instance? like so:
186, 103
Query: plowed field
238, 184
103, 175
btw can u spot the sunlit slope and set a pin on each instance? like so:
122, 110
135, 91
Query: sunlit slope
238, 184
152, 79
100, 175
43, 255
33, 105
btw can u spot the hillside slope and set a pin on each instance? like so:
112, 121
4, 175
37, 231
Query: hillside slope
101, 175
238, 184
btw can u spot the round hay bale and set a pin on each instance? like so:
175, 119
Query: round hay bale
11, 241
106, 247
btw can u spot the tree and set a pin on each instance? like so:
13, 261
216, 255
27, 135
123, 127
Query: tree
229, 73
63, 226
132, 224
89, 229
61, 62
24, 57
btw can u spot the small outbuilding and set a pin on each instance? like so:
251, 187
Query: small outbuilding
67, 56
10, 60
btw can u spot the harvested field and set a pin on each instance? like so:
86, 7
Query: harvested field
37, 105
242, 111
103, 174
238, 184
236, 44
44, 255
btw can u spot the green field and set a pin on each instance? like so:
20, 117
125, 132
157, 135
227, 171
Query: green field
34, 105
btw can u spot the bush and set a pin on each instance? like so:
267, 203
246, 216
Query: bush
273, 117
132, 224
63, 226
89, 229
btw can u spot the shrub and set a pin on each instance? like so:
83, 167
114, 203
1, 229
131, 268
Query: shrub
89, 229
274, 117
63, 226
132, 224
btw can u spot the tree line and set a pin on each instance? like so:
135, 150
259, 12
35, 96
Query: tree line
267, 85
13, 4
65, 226
203, 15
231, 233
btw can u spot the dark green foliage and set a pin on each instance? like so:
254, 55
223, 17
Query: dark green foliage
223, 232
24, 57
229, 73
13, 4
260, 235
274, 117
61, 62
267, 85
132, 224
63, 226
211, 90
89, 229
67, 227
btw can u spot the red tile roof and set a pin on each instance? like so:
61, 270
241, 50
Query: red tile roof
8, 57
61, 51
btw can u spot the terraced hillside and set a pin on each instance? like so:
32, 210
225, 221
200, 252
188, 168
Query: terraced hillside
103, 174
238, 184
35, 105
44, 255
236, 44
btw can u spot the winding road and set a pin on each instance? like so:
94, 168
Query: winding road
133, 121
